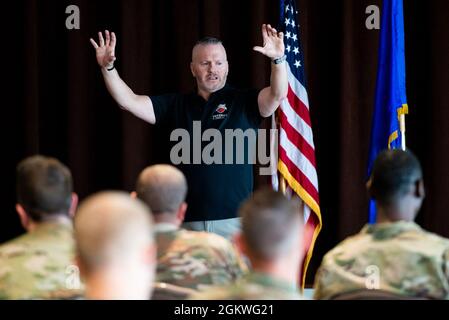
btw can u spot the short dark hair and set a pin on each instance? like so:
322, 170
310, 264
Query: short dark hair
44, 187
394, 171
208, 40
270, 223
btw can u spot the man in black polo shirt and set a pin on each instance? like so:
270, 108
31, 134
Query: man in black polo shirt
216, 188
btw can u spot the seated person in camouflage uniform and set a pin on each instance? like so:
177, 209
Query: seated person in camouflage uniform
394, 254
116, 253
35, 264
272, 231
189, 259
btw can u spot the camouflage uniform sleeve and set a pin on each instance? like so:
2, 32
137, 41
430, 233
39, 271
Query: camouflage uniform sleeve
4, 274
332, 278
9, 255
226, 264
212, 293
318, 283
446, 264
237, 264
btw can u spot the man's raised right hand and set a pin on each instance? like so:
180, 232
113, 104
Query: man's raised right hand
105, 50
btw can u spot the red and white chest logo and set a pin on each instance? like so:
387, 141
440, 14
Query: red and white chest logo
220, 113
221, 108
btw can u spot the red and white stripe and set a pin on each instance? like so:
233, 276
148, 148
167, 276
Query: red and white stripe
297, 164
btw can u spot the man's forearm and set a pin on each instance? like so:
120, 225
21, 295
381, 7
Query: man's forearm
270, 97
118, 89
278, 81
140, 106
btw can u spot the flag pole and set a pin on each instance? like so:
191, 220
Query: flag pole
402, 128
282, 185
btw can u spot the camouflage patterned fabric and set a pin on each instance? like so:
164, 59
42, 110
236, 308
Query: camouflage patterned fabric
253, 286
196, 260
400, 257
34, 264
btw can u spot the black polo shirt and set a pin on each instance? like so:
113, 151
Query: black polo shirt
215, 190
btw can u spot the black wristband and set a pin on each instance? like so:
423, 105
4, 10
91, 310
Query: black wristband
111, 68
279, 60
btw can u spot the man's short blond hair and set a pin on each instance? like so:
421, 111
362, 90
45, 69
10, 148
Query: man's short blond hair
110, 227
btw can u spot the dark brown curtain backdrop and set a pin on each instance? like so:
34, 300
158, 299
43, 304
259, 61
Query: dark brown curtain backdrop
54, 101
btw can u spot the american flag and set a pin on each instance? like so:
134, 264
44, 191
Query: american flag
296, 149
